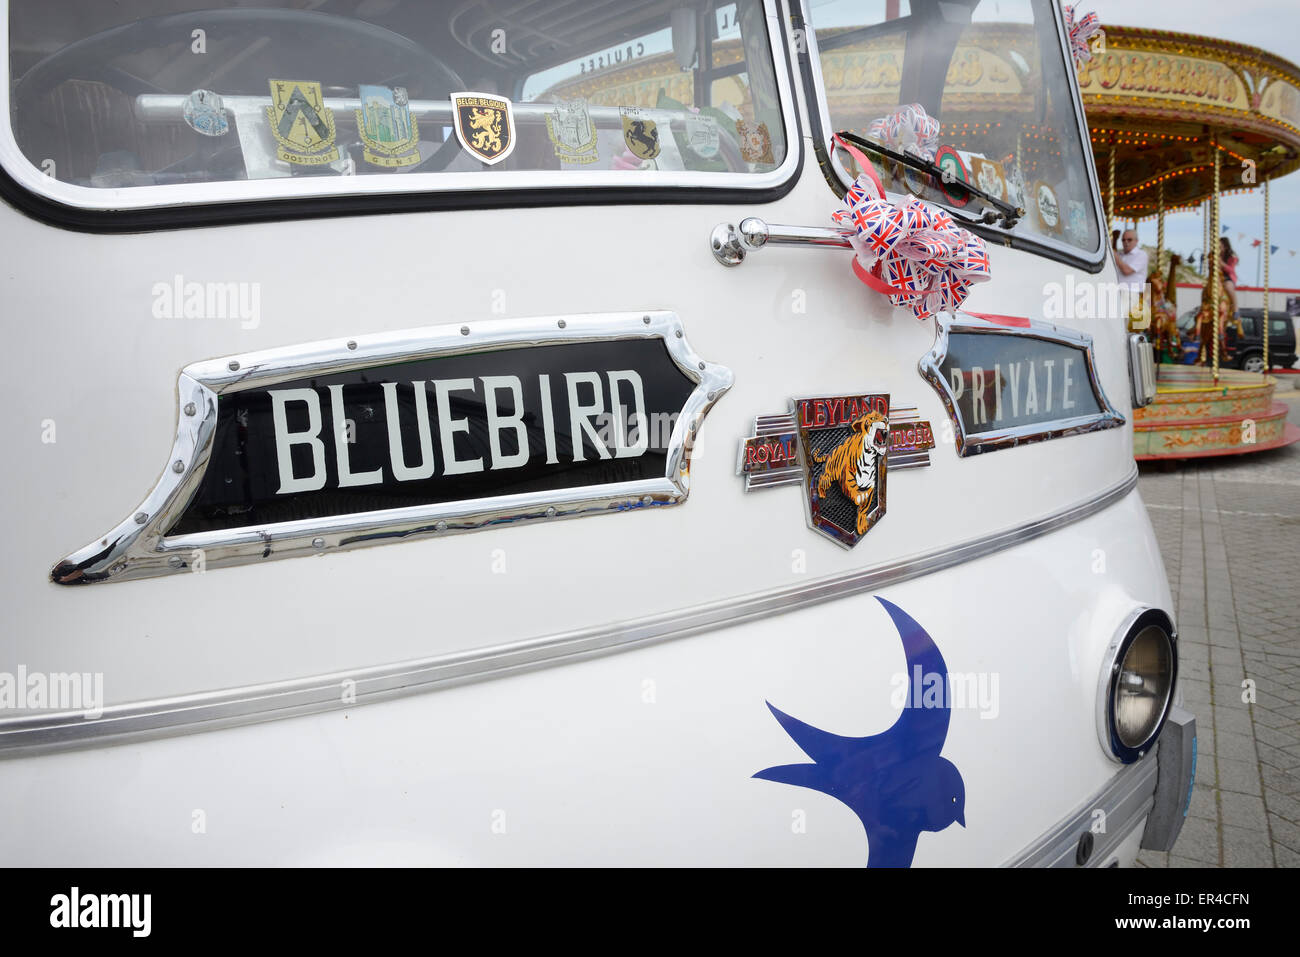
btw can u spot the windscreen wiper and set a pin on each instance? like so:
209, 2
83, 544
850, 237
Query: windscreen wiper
1003, 213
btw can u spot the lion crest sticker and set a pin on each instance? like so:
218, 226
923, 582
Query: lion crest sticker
842, 449
302, 125
485, 125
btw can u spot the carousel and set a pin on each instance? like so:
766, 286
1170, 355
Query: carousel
1178, 121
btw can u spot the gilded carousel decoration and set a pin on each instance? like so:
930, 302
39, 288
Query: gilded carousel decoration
1177, 121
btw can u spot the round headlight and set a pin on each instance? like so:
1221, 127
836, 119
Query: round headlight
1137, 685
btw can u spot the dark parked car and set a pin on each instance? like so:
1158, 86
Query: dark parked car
1247, 351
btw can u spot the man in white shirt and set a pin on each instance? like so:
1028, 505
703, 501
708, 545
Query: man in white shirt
1131, 262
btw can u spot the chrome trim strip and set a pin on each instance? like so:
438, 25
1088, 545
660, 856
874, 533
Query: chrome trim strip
139, 546
1125, 801
31, 178
1092, 259
930, 364
39, 733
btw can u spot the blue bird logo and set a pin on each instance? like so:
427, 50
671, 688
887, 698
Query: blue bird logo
895, 781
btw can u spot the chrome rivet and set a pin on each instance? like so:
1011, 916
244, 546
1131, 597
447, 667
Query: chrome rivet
561, 323
647, 500
712, 395
352, 343
175, 561
464, 330
141, 518
550, 512
679, 333
178, 466
441, 526
189, 408
233, 365
646, 320
701, 366
318, 543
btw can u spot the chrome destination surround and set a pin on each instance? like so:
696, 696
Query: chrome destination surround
171, 196
140, 548
32, 734
930, 363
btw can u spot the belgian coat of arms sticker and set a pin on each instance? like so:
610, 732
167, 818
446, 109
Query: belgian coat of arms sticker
485, 125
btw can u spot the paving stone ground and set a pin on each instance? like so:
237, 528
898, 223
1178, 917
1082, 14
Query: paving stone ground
1229, 531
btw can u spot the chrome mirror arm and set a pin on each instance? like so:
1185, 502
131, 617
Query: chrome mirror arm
730, 244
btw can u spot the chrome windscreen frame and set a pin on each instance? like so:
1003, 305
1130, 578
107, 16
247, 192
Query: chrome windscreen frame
823, 131
931, 364
139, 546
492, 182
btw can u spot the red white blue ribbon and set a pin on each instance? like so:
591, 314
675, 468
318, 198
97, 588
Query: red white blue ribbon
1081, 33
909, 130
910, 251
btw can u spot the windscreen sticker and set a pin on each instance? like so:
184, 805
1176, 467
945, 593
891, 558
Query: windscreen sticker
301, 123
205, 113
640, 133
388, 131
572, 132
755, 142
485, 125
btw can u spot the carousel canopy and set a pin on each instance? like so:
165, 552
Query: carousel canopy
1159, 98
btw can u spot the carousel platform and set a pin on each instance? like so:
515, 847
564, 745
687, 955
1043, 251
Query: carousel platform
1193, 416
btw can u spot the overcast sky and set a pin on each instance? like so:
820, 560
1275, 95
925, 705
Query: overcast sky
1273, 25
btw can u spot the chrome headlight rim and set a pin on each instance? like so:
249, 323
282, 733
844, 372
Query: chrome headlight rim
1107, 732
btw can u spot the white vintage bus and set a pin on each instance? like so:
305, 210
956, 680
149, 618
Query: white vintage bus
591, 432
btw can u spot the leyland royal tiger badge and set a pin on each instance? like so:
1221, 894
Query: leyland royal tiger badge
388, 130
302, 125
485, 125
841, 449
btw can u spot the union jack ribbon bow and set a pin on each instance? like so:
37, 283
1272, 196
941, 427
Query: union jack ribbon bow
1081, 33
909, 129
910, 251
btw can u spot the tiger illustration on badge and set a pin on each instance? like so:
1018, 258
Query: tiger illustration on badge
485, 125
857, 465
